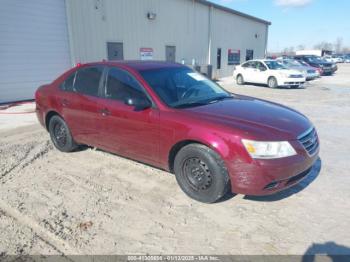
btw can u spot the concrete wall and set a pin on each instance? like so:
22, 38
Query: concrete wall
181, 23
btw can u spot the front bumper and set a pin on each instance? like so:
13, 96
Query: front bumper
312, 76
291, 81
266, 177
328, 71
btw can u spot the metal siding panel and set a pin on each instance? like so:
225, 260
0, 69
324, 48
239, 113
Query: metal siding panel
180, 23
33, 48
125, 21
236, 32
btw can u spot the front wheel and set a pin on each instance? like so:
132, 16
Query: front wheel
272, 82
61, 135
240, 80
201, 173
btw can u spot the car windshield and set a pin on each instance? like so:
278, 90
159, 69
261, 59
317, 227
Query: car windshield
303, 63
182, 87
315, 59
291, 62
274, 65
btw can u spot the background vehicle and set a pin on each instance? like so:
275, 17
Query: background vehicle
269, 72
347, 59
313, 52
334, 58
309, 72
331, 59
319, 71
171, 117
315, 61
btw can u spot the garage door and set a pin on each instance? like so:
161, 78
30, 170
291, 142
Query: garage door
34, 46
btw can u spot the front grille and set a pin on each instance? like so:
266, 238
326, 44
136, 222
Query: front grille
295, 76
293, 83
296, 178
310, 141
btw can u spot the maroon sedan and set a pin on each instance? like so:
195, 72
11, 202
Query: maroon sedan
168, 116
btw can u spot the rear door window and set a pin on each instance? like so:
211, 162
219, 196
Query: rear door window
260, 66
88, 79
253, 64
68, 84
247, 65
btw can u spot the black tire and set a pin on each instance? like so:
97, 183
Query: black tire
61, 135
240, 80
272, 82
201, 173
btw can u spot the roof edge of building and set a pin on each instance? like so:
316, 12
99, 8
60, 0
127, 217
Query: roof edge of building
232, 11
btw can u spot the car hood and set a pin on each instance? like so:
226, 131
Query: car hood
298, 68
290, 71
325, 63
254, 118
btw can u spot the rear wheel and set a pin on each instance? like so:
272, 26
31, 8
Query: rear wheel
272, 82
201, 173
240, 80
61, 135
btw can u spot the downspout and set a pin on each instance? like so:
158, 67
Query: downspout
209, 33
266, 39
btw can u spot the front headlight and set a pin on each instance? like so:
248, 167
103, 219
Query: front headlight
284, 74
268, 150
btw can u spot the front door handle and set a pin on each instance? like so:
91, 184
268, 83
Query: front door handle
105, 112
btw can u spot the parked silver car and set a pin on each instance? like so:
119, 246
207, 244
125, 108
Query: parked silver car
309, 71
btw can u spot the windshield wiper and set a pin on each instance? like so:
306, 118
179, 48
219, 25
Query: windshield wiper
203, 102
191, 104
217, 99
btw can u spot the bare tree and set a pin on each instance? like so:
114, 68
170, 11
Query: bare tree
300, 47
346, 50
324, 46
288, 51
338, 45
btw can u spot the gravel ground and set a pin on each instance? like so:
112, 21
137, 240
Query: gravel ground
92, 202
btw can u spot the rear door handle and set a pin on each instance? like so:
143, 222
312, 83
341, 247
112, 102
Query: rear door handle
105, 112
65, 102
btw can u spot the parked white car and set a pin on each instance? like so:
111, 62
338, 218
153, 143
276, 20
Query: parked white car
270, 72
333, 59
329, 59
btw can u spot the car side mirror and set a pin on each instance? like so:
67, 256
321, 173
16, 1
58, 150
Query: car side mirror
139, 103
262, 69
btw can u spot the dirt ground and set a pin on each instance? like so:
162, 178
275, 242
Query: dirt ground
92, 202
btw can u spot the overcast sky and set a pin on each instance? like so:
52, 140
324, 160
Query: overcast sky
295, 22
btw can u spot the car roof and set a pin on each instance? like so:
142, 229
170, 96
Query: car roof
262, 60
138, 65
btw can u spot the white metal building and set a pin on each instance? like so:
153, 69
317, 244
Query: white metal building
39, 39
